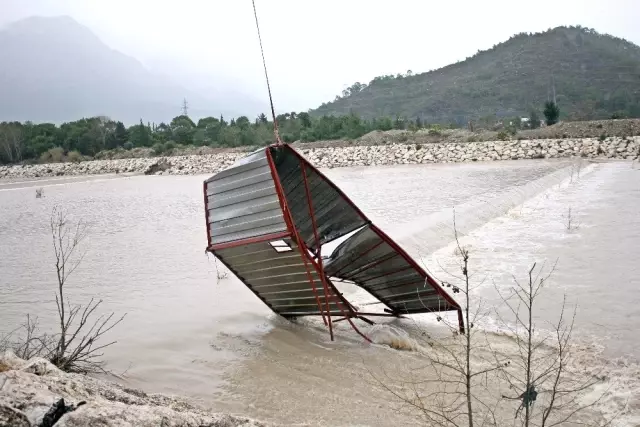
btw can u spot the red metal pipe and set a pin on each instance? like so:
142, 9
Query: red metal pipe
338, 303
318, 257
429, 279
290, 224
380, 233
461, 321
338, 190
318, 261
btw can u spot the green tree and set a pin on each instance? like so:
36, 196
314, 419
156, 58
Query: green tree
305, 120
551, 112
243, 122
120, 135
398, 123
140, 135
262, 118
163, 132
183, 129
534, 119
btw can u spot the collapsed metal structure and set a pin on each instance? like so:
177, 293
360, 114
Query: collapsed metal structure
268, 217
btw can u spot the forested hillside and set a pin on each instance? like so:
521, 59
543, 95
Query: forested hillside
592, 76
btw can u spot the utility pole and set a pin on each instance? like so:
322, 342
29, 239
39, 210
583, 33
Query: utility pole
185, 107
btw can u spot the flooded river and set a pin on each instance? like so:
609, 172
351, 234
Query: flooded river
188, 333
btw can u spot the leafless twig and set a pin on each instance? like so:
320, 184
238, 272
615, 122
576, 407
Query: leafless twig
77, 345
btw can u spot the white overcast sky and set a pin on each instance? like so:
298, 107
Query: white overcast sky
316, 48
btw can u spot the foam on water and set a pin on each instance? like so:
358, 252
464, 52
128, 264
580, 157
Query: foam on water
393, 337
427, 234
538, 223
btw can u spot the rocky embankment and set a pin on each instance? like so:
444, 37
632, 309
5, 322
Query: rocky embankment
31, 393
351, 155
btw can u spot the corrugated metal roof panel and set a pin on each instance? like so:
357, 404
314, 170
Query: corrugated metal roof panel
251, 233
243, 203
280, 279
370, 262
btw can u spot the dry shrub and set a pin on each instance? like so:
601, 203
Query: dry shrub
53, 155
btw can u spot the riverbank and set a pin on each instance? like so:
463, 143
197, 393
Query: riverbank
29, 389
408, 152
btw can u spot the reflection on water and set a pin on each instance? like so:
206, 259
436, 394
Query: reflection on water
187, 333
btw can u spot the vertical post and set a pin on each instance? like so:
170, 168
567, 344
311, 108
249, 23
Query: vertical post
318, 246
461, 321
319, 265
292, 228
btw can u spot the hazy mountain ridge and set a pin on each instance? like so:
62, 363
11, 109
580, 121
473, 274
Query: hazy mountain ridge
56, 70
594, 76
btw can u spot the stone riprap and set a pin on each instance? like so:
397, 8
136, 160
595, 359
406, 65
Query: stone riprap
29, 389
350, 155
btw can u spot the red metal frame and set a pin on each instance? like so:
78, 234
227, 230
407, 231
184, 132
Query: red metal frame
292, 229
383, 236
318, 261
425, 276
318, 257
315, 259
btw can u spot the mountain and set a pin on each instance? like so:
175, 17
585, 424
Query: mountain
55, 69
594, 76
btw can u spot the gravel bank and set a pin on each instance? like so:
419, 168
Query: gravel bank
30, 389
351, 155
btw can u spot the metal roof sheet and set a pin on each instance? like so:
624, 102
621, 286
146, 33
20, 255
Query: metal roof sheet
269, 215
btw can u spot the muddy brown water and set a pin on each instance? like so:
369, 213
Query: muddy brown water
187, 333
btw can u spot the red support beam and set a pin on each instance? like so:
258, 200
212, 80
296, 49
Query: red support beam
292, 229
318, 257
317, 262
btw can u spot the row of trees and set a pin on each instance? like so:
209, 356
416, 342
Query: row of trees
89, 136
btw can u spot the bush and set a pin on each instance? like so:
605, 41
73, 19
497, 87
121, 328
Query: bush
74, 156
602, 137
434, 132
503, 136
52, 155
158, 148
127, 146
169, 145
418, 146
